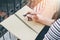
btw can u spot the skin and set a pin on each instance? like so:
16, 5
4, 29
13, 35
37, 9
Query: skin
40, 19
49, 8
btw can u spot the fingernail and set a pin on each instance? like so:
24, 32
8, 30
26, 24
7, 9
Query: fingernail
28, 15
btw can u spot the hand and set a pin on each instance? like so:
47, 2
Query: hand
34, 17
40, 19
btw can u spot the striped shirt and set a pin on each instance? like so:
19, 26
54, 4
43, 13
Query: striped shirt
53, 32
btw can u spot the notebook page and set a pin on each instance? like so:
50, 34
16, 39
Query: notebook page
18, 28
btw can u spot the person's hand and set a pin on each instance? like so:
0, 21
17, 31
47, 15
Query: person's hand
40, 18
33, 17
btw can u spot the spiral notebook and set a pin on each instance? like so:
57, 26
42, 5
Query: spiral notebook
18, 25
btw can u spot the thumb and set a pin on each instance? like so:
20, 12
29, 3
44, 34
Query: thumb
29, 16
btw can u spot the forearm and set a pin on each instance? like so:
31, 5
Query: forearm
46, 22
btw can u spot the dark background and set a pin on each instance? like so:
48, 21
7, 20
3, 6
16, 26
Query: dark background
10, 7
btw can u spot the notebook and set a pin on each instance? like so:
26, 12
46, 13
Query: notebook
18, 25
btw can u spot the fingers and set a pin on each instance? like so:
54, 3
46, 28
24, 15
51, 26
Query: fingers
32, 17
29, 17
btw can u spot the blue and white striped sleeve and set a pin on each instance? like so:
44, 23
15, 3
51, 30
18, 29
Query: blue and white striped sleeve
53, 32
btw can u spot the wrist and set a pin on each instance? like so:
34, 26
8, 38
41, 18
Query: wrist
45, 21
